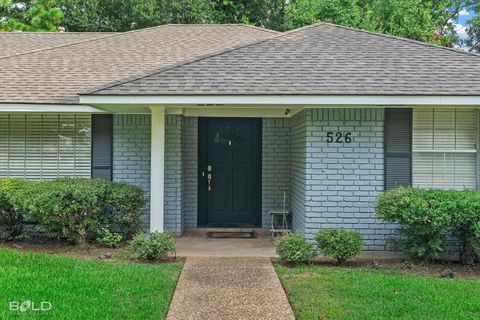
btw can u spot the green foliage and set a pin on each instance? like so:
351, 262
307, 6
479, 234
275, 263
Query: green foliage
154, 246
71, 208
340, 244
407, 18
427, 216
473, 31
36, 15
122, 206
11, 214
109, 239
306, 12
294, 249
119, 15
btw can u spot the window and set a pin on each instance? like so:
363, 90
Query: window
445, 148
37, 147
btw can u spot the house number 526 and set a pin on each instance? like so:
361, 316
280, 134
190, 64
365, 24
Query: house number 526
339, 137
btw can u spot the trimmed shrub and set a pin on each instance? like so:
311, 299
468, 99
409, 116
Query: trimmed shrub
427, 216
11, 208
122, 207
153, 246
294, 249
465, 225
70, 208
108, 239
340, 244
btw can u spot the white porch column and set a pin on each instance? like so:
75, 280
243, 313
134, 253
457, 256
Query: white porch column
157, 169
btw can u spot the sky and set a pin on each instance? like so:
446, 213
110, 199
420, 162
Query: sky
462, 22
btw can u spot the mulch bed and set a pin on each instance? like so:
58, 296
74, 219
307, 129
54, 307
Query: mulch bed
82, 251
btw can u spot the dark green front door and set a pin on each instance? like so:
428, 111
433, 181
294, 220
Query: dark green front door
229, 172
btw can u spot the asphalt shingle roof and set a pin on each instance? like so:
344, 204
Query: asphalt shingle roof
57, 73
17, 43
322, 59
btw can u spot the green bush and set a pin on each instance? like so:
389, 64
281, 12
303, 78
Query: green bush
11, 208
340, 244
70, 208
108, 239
153, 246
294, 249
427, 216
123, 206
465, 225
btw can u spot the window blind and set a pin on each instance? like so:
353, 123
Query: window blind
445, 148
38, 147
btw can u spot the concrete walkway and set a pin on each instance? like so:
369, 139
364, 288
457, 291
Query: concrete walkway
229, 288
199, 245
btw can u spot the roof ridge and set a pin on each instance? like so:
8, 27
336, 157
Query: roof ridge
113, 34
172, 66
219, 24
389, 36
189, 61
57, 32
60, 46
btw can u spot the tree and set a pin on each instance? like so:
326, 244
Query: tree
305, 12
425, 20
124, 15
473, 31
118, 15
262, 13
36, 15
405, 18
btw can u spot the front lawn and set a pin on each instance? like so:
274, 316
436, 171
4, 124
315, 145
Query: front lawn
84, 289
322, 292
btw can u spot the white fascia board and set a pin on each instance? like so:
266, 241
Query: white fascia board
283, 100
57, 108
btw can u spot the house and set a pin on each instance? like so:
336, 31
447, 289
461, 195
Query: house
216, 122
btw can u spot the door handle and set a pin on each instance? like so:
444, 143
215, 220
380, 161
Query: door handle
209, 180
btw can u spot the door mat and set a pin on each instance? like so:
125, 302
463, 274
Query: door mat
231, 234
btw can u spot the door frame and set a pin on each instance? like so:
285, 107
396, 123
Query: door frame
256, 193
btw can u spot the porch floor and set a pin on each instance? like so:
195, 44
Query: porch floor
196, 243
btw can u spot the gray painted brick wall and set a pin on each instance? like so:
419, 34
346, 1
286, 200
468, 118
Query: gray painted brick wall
131, 161
173, 174
131, 152
275, 165
189, 171
298, 171
344, 179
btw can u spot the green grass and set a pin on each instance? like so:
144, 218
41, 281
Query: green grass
85, 289
317, 292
